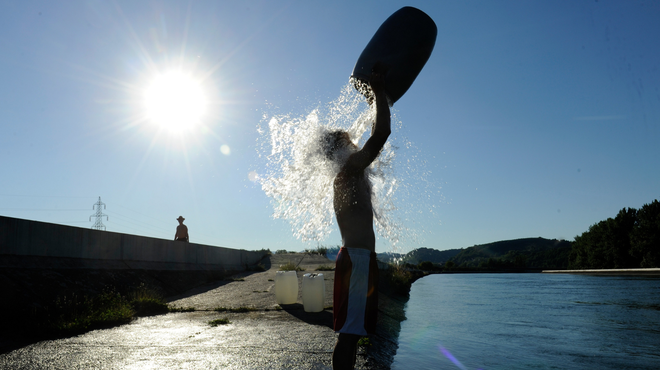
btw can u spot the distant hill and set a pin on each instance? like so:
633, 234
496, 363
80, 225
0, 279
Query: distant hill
428, 254
528, 252
388, 257
518, 253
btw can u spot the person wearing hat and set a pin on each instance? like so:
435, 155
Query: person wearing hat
181, 231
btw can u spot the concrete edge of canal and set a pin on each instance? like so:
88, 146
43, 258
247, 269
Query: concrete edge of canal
609, 272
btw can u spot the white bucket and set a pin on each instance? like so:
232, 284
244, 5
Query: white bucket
286, 287
313, 292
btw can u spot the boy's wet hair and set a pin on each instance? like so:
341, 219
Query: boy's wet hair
330, 142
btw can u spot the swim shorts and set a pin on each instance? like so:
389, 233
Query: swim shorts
355, 305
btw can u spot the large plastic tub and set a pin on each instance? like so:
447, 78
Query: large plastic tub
286, 287
313, 292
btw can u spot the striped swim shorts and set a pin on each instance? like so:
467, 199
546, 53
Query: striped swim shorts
355, 305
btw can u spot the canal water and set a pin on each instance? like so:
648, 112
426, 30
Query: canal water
531, 321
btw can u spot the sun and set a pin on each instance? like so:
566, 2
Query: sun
175, 101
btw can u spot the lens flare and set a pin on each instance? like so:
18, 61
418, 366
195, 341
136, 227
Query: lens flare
451, 358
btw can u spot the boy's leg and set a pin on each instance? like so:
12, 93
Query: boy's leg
345, 352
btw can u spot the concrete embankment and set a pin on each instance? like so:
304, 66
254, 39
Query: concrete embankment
267, 336
609, 272
41, 262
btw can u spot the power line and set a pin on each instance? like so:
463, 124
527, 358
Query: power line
44, 209
98, 225
43, 196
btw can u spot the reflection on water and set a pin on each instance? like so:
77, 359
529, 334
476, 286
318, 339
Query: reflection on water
299, 179
525, 321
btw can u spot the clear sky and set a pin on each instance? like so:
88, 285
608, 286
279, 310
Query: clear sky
531, 118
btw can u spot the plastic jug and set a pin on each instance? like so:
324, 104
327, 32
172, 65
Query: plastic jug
403, 43
313, 292
286, 287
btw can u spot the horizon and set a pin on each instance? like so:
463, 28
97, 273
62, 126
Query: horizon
320, 245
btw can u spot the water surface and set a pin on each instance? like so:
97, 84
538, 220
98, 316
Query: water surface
531, 321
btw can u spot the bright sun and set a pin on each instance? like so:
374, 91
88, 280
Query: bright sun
175, 101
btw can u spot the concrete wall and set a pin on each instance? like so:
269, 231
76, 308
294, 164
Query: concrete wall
87, 248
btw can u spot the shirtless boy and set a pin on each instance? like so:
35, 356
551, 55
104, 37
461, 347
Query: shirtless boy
356, 274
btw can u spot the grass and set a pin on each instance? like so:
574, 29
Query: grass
147, 302
235, 309
364, 342
182, 309
217, 322
325, 268
290, 267
74, 313
71, 314
234, 279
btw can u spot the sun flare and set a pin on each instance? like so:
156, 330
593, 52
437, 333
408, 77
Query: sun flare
175, 101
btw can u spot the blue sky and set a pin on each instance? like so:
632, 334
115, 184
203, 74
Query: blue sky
531, 118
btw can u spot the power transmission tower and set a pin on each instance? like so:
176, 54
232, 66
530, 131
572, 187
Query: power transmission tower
98, 225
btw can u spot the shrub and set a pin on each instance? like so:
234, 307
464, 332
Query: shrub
75, 313
217, 322
147, 302
325, 268
234, 279
259, 267
320, 250
398, 279
426, 266
290, 267
364, 342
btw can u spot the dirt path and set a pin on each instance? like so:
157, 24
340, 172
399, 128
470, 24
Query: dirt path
255, 289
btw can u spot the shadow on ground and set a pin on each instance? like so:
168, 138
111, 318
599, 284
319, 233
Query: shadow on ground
32, 295
323, 318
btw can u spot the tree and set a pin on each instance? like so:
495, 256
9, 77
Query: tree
621, 229
645, 238
630, 240
426, 266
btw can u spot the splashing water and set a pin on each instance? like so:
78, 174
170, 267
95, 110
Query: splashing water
299, 179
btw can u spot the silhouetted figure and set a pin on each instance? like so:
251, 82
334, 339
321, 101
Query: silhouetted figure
181, 231
356, 274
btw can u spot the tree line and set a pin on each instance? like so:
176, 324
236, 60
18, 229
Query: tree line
519, 255
630, 240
